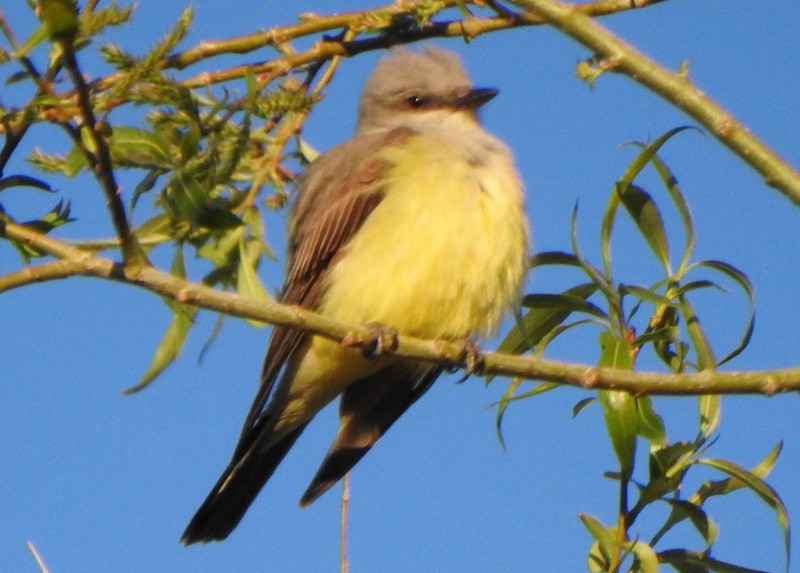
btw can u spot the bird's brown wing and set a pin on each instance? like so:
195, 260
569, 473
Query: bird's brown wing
337, 194
329, 211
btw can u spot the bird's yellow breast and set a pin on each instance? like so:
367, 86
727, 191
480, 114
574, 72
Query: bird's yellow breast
444, 253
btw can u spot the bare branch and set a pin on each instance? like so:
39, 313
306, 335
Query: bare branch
674, 87
767, 382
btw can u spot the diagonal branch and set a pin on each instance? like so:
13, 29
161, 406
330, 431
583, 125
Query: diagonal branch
437, 351
674, 87
99, 159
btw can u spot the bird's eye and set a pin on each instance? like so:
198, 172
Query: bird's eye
415, 101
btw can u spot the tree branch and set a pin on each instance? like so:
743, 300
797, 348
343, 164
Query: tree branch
99, 159
53, 270
365, 19
438, 351
674, 87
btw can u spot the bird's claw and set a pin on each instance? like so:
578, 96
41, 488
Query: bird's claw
471, 357
381, 340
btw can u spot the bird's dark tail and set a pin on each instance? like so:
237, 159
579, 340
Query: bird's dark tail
368, 408
235, 490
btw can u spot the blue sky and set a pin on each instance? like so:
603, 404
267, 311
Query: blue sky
98, 481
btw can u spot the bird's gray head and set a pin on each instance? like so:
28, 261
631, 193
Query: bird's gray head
407, 85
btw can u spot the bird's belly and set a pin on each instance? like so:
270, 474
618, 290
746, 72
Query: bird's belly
444, 253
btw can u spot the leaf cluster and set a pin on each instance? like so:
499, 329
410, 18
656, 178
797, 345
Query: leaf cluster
631, 318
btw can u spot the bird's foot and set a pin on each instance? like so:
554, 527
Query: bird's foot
381, 340
472, 358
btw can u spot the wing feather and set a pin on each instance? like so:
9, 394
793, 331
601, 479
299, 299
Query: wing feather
334, 198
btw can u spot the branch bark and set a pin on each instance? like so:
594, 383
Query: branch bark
674, 87
767, 382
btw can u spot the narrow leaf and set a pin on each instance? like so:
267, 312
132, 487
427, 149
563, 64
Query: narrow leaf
538, 322
648, 561
645, 214
747, 286
686, 561
650, 424
248, 283
24, 181
762, 489
619, 407
565, 302
581, 405
174, 337
674, 190
134, 147
554, 258
604, 538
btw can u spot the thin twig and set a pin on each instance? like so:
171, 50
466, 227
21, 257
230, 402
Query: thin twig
53, 270
39, 561
344, 564
99, 160
356, 21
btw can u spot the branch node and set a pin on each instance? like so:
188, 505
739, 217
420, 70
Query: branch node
591, 378
771, 386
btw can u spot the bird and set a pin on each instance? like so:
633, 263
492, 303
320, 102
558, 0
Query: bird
417, 224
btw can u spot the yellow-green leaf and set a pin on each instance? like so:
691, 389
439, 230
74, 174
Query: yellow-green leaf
762, 489
60, 17
645, 214
619, 407
174, 337
248, 283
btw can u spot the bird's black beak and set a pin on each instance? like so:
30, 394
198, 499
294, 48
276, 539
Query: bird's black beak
476, 97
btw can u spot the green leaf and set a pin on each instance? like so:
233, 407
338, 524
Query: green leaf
134, 147
554, 258
39, 35
566, 302
74, 162
255, 225
604, 546
306, 151
710, 407
705, 356
674, 190
638, 164
648, 561
538, 322
248, 283
650, 424
672, 460
621, 188
645, 214
193, 202
646, 295
580, 405
747, 286
60, 18
24, 181
154, 230
619, 407
174, 337
685, 561
763, 490
705, 526
510, 396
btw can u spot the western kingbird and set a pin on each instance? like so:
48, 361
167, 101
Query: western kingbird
416, 223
